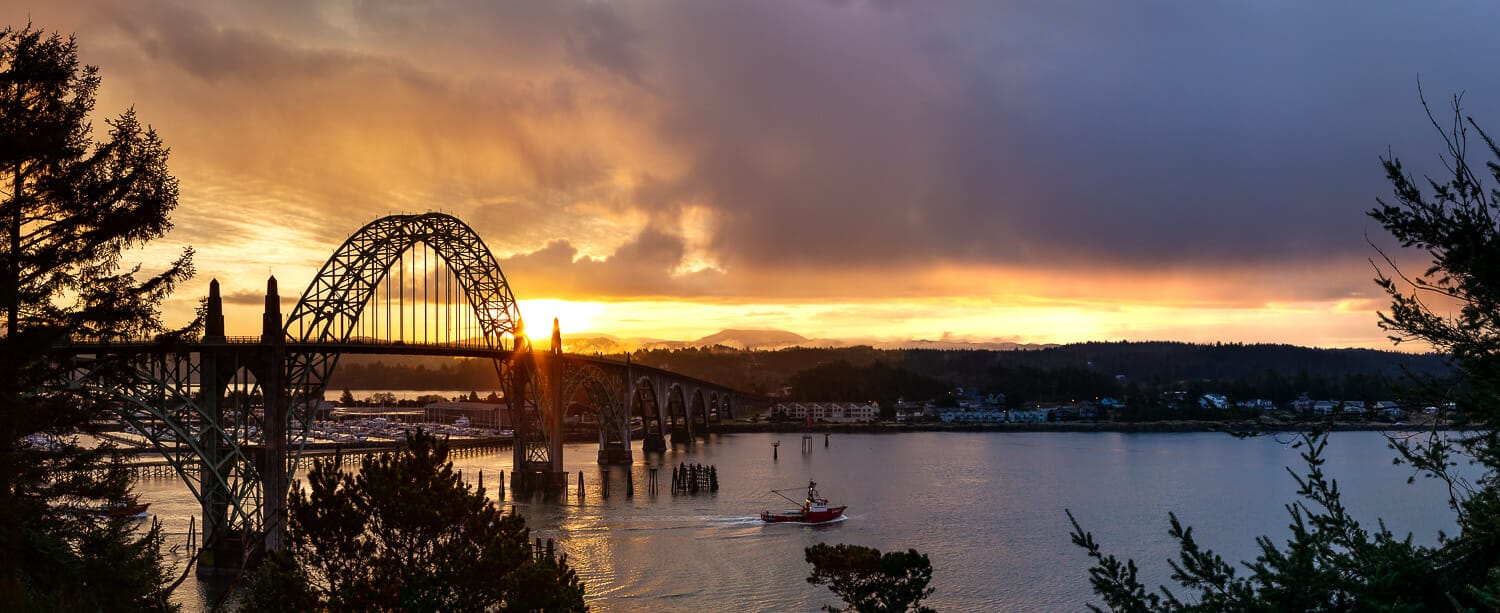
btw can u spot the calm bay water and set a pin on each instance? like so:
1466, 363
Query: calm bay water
987, 508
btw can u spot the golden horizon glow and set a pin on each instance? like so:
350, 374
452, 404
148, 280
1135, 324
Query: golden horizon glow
954, 321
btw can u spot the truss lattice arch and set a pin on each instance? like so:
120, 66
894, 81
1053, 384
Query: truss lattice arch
330, 308
339, 293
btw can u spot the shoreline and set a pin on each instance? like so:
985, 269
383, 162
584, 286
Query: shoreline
1101, 426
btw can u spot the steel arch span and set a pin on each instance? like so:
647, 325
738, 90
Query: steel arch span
330, 308
329, 312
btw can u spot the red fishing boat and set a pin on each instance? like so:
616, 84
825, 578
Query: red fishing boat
814, 510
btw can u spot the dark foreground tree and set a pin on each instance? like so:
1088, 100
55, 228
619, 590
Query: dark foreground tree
70, 207
870, 582
1330, 562
405, 533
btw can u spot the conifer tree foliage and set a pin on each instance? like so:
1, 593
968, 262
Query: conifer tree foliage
1330, 562
70, 207
871, 582
405, 533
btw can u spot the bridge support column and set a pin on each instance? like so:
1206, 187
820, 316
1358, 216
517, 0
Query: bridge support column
539, 433
222, 552
273, 430
555, 406
680, 428
219, 555
650, 411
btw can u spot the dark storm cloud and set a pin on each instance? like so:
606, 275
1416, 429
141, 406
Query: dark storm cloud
1151, 138
212, 51
1026, 134
602, 39
641, 267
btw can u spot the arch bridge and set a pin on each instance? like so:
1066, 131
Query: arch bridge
234, 415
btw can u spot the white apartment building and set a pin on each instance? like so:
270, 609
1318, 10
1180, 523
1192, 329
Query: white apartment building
835, 412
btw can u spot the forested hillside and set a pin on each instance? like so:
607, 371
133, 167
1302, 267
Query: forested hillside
1142, 362
1084, 370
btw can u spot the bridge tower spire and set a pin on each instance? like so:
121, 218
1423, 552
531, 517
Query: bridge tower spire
213, 324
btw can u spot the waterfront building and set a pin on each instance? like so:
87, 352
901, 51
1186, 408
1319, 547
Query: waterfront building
1029, 416
974, 417
832, 412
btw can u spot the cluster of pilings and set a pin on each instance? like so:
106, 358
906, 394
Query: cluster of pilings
546, 551
693, 478
604, 484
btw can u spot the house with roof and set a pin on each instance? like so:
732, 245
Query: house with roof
1388, 410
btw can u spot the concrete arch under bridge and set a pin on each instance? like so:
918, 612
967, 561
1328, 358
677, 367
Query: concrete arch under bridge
232, 414
629, 398
672, 405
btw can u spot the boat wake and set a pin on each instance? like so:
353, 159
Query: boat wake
748, 520
836, 520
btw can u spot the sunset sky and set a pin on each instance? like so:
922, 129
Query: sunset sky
1043, 171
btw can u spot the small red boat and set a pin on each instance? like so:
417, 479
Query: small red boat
815, 509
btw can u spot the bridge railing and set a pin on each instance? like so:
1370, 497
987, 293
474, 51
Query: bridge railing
75, 340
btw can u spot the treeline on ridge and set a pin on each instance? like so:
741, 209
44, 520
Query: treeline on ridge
1140, 373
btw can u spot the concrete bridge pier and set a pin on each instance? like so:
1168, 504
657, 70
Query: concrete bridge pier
538, 481
654, 442
618, 456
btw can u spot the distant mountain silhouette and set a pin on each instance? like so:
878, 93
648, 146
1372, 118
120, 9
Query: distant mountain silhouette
752, 339
952, 344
